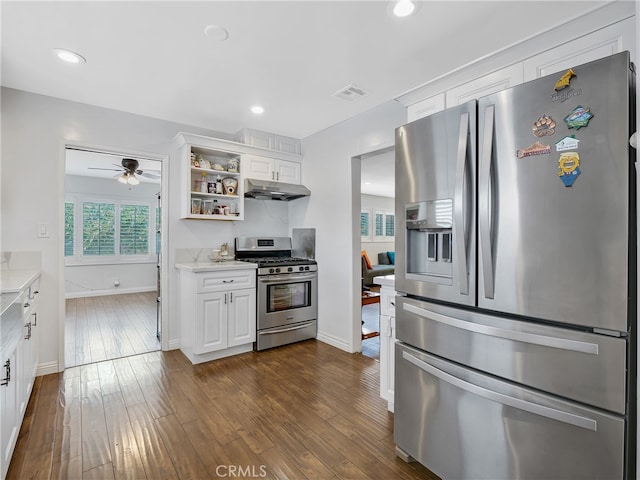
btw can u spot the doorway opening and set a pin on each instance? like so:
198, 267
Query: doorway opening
112, 244
377, 238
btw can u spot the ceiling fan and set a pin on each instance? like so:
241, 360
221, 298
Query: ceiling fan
129, 169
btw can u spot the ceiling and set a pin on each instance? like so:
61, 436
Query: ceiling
155, 59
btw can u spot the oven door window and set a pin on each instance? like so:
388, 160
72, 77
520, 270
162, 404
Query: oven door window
288, 296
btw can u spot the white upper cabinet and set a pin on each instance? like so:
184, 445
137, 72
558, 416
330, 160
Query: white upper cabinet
485, 85
425, 107
601, 43
276, 170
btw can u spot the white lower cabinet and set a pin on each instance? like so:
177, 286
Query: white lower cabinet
224, 319
218, 313
18, 367
10, 425
387, 344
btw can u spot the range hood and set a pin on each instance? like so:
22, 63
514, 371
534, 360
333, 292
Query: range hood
266, 190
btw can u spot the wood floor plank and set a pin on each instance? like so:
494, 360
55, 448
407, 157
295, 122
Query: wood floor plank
108, 327
95, 440
184, 456
304, 411
127, 463
155, 458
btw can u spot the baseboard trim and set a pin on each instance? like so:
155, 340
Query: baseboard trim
173, 345
333, 341
110, 291
47, 368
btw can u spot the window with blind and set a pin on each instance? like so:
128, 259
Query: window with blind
98, 228
134, 230
99, 231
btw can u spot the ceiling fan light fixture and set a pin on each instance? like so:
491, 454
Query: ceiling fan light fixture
129, 179
133, 180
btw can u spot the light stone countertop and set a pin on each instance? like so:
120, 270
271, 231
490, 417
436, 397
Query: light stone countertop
386, 281
14, 281
223, 265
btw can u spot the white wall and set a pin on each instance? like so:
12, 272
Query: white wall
331, 175
34, 131
91, 280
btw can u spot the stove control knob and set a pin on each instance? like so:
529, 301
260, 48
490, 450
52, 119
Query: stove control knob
277, 270
290, 269
271, 270
301, 269
306, 268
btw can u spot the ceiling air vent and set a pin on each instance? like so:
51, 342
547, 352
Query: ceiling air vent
351, 92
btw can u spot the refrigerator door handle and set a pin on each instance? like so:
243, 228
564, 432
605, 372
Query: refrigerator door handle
485, 191
531, 407
459, 207
524, 337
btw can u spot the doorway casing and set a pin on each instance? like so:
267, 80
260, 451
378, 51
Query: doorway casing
164, 221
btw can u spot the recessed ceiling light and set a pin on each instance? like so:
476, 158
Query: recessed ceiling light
216, 32
257, 109
403, 8
69, 56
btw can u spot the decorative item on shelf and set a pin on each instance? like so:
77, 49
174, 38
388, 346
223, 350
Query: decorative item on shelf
230, 186
219, 167
204, 163
232, 166
211, 187
204, 186
218, 185
196, 206
207, 207
224, 249
194, 161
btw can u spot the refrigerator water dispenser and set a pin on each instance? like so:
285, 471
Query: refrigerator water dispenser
430, 239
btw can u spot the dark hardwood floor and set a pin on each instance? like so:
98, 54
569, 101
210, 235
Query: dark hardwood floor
108, 327
371, 318
303, 411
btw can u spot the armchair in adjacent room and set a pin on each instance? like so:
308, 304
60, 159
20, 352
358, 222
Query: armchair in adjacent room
369, 271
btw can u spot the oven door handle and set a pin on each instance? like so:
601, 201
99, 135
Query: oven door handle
290, 278
289, 329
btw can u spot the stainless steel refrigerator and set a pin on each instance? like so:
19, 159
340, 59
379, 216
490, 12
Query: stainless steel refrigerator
516, 280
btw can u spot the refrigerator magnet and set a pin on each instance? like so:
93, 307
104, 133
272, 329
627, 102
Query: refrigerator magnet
543, 126
565, 80
569, 168
537, 148
567, 143
578, 118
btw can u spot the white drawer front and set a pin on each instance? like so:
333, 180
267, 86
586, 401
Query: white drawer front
227, 280
388, 303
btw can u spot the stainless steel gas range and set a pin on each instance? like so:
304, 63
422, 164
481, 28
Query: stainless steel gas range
287, 296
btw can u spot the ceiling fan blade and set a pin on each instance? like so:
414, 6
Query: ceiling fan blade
109, 169
147, 174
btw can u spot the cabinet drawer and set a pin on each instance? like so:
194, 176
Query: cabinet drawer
227, 280
387, 303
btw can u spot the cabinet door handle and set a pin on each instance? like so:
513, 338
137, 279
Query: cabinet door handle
35, 319
26, 305
7, 368
231, 297
225, 298
277, 175
227, 281
28, 335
